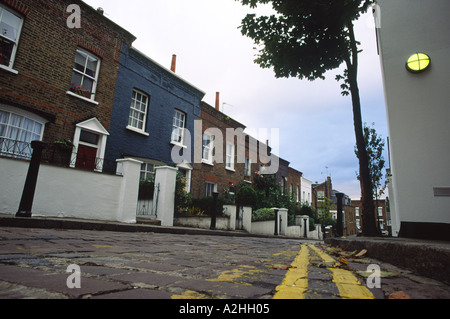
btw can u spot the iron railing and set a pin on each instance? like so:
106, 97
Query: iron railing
55, 155
15, 149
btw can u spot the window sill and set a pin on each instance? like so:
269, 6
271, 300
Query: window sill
207, 162
8, 69
178, 144
135, 130
230, 169
82, 98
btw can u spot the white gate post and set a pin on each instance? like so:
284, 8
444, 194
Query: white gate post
164, 197
130, 169
283, 221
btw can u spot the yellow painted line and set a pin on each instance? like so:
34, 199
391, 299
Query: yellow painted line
234, 274
349, 286
189, 295
295, 282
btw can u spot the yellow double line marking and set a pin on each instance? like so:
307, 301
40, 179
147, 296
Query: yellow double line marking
295, 284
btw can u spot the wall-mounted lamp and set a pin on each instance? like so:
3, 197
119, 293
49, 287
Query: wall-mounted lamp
418, 62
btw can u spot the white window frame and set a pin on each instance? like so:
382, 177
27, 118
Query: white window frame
133, 109
24, 136
229, 158
320, 196
178, 128
84, 75
147, 171
207, 150
12, 58
380, 211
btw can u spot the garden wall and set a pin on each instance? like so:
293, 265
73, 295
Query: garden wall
67, 192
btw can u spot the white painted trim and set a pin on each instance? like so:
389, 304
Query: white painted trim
82, 97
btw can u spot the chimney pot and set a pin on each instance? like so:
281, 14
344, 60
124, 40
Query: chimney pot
173, 67
218, 101
101, 11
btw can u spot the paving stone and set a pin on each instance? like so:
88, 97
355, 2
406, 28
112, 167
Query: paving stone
157, 280
56, 282
136, 294
231, 290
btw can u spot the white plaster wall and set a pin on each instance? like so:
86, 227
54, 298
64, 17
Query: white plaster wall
64, 192
263, 228
222, 223
417, 106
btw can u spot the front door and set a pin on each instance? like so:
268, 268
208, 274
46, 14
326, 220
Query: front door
86, 158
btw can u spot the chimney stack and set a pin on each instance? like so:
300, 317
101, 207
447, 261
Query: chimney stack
174, 63
218, 101
101, 11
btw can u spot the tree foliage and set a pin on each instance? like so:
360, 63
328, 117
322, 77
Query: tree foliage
306, 39
375, 147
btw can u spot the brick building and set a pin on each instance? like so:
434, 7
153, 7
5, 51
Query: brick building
319, 191
154, 110
382, 218
57, 78
294, 183
222, 165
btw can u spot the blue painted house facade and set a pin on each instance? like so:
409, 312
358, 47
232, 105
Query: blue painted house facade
153, 108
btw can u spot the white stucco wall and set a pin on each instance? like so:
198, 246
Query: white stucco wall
417, 105
65, 192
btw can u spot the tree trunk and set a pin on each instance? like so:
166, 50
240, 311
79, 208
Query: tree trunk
368, 212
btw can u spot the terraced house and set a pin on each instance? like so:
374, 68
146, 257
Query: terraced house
58, 70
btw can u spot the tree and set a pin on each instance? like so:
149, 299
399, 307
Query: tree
307, 38
375, 147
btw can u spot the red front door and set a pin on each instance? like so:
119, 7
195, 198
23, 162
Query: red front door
86, 157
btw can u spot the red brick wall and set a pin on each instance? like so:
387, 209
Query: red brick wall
45, 59
293, 179
218, 174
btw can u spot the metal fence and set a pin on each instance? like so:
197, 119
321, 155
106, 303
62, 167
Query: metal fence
55, 155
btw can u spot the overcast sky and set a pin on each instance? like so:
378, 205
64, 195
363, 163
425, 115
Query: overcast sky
314, 120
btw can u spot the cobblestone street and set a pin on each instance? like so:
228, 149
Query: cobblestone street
116, 265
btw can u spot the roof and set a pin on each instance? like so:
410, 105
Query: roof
167, 70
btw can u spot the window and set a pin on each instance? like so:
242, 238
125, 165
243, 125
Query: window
357, 211
210, 188
248, 167
88, 137
320, 195
10, 28
147, 171
17, 132
179, 121
138, 111
229, 162
208, 143
85, 74
380, 211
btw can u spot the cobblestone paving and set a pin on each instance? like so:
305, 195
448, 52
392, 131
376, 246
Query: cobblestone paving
114, 265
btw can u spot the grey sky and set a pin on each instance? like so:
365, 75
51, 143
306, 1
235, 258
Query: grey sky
315, 121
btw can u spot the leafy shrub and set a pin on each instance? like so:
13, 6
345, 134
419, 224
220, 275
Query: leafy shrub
246, 196
263, 214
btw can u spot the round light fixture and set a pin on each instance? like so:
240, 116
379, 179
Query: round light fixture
418, 62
